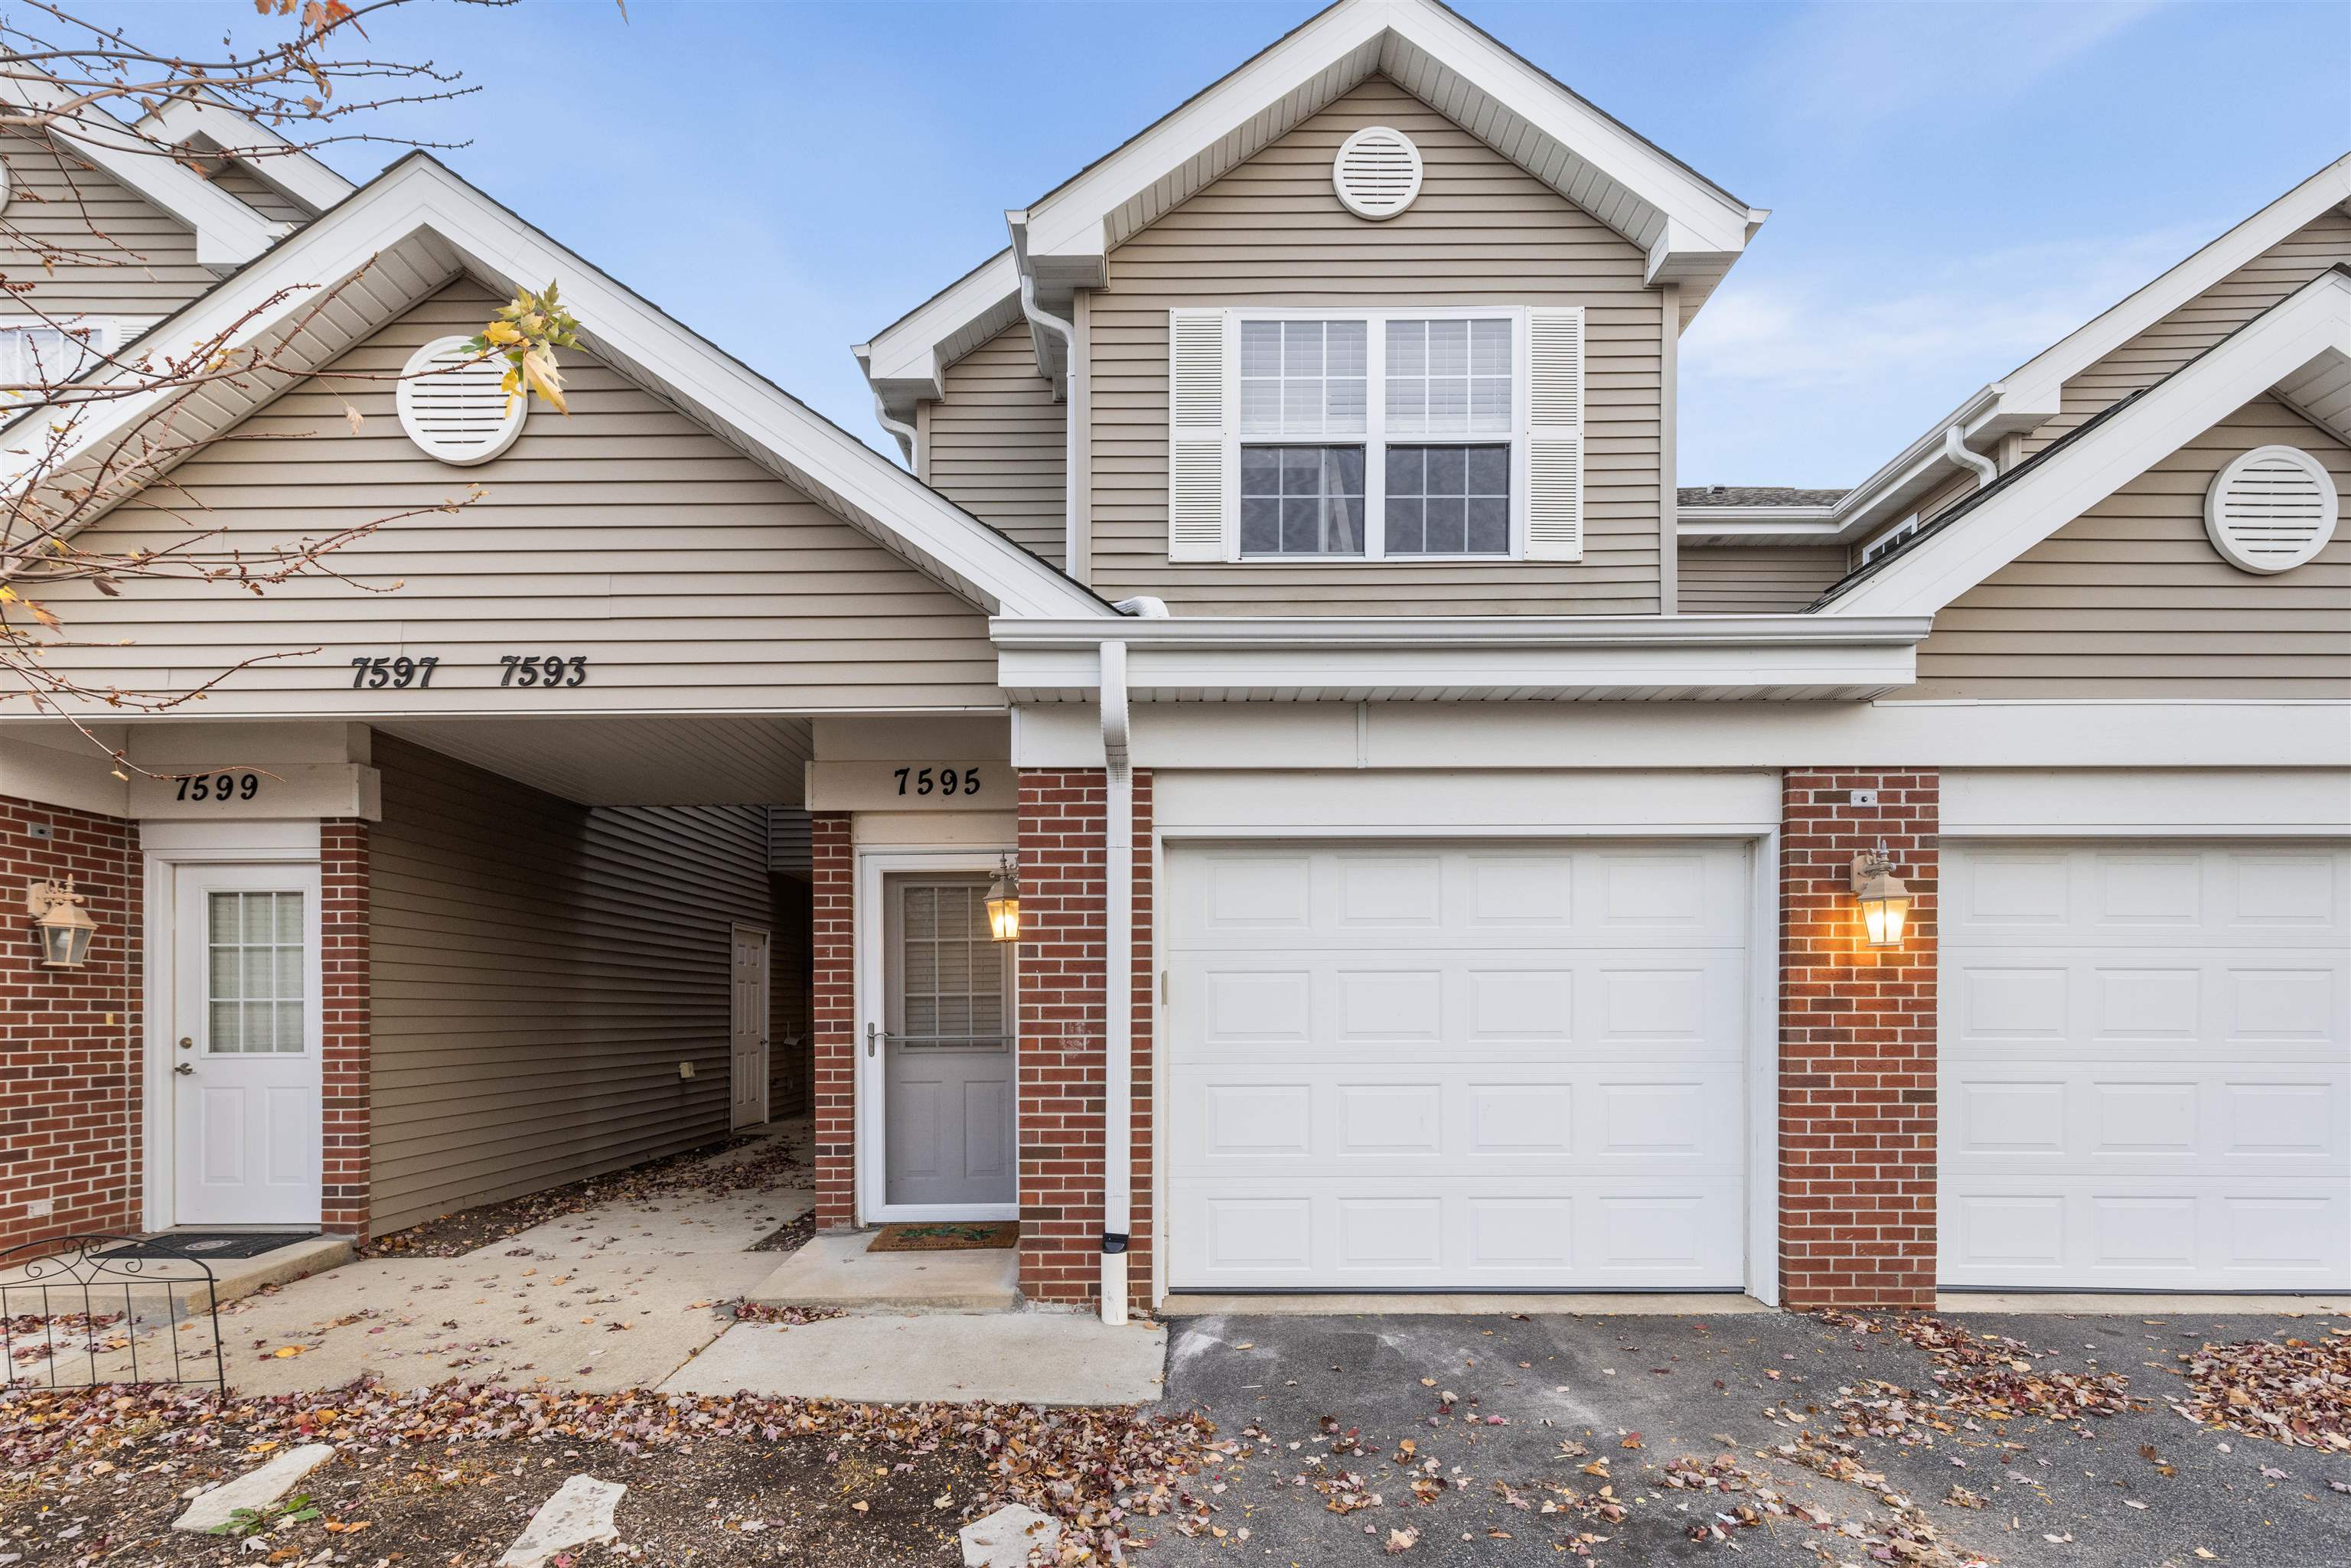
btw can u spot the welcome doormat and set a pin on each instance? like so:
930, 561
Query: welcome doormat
946, 1235
209, 1244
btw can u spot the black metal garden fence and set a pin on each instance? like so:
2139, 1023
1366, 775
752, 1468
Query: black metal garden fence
83, 1310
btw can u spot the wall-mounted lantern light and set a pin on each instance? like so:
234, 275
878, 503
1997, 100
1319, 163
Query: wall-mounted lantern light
1884, 901
1004, 903
64, 928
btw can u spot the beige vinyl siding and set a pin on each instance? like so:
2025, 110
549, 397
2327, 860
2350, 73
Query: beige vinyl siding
1957, 487
2130, 599
2203, 321
998, 443
537, 970
1760, 579
690, 577
110, 251
241, 181
1483, 232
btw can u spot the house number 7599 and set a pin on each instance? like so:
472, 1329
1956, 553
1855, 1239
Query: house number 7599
937, 781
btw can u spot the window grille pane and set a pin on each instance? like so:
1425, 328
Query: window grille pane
1449, 377
256, 972
1302, 500
1303, 379
1448, 500
951, 973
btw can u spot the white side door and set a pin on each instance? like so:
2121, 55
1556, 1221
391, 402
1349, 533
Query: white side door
246, 1045
747, 1053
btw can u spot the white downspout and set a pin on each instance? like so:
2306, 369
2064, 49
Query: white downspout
899, 428
1118, 986
1071, 544
1956, 448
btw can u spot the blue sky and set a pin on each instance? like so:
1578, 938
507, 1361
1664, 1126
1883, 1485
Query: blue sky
1953, 186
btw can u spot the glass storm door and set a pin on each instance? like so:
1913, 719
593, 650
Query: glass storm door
246, 1048
947, 1074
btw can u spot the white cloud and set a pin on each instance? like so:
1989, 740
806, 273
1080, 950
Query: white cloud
1856, 65
1804, 382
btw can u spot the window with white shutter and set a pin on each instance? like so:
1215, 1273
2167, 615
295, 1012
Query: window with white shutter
1431, 433
1198, 464
1554, 435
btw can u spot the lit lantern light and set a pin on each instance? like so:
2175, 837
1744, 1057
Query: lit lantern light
64, 928
1885, 899
1004, 903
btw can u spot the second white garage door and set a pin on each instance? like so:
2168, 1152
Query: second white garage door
2146, 1067
1456, 1066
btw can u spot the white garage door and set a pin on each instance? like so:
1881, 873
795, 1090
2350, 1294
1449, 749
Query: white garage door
2145, 1077
1456, 1066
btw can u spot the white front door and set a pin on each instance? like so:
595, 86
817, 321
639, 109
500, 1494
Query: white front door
748, 1051
2145, 1077
246, 1045
1454, 1067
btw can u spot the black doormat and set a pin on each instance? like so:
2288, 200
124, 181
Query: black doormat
211, 1244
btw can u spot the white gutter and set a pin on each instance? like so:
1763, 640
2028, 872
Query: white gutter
1956, 448
1118, 986
1039, 316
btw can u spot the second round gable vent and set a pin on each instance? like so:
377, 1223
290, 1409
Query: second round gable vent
460, 416
1377, 172
2271, 509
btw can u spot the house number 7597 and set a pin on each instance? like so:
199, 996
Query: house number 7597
937, 781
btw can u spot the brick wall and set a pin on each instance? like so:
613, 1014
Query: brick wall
345, 1125
832, 997
1062, 1018
1856, 1048
69, 1039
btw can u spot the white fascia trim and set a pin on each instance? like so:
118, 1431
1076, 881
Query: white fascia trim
2313, 322
2031, 393
1727, 526
1069, 224
228, 232
907, 360
1471, 656
272, 158
420, 193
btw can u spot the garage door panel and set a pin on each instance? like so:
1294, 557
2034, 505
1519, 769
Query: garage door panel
1456, 1066
1355, 1006
1454, 1233
2145, 1068
2184, 895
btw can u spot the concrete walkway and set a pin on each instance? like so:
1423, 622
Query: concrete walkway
1030, 1358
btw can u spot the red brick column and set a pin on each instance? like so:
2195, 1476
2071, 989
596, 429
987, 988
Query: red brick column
347, 1115
1856, 1047
832, 1003
71, 1133
1062, 1019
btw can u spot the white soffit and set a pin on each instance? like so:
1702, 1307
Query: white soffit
639, 760
419, 206
2304, 341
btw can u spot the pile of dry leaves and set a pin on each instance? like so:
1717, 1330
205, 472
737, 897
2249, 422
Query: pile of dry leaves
2293, 1391
1096, 1470
1984, 1378
705, 1171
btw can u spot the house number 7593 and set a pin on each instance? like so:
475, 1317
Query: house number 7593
937, 781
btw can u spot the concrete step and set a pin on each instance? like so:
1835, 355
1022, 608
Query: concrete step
1031, 1357
836, 1270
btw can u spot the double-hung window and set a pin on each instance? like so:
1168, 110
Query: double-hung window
1304, 435
39, 356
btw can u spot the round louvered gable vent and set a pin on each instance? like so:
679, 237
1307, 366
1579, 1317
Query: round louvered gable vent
1377, 172
461, 417
2271, 509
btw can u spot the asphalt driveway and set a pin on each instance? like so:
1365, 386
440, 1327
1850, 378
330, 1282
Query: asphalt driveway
1503, 1404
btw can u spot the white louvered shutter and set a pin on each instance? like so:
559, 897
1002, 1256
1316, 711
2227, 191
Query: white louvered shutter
1199, 481
459, 415
2271, 509
1554, 379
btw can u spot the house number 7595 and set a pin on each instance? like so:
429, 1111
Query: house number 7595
937, 781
